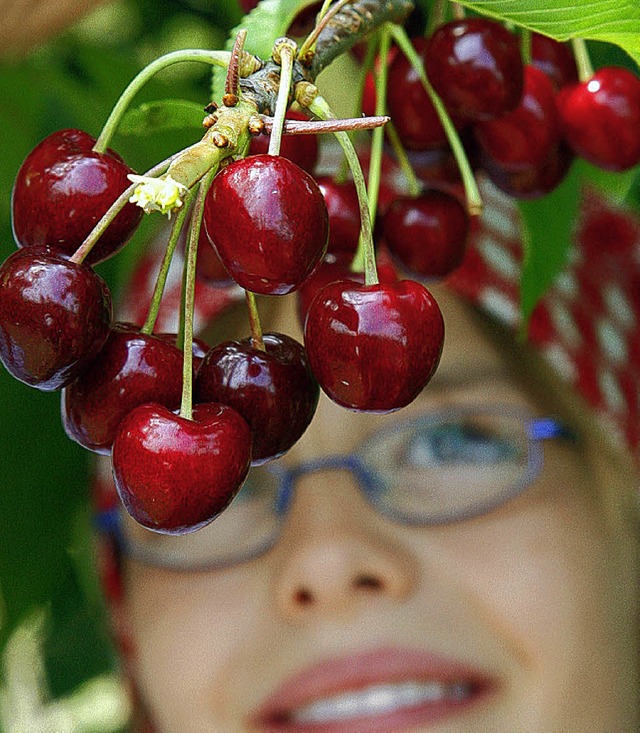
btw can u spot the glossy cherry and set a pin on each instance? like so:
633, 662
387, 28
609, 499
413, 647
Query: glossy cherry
303, 150
274, 390
374, 347
475, 66
344, 214
534, 182
601, 118
427, 234
410, 107
524, 137
268, 221
54, 317
555, 59
176, 475
133, 368
61, 191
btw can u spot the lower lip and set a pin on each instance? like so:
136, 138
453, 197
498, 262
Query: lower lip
423, 715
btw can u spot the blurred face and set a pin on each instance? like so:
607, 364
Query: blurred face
522, 619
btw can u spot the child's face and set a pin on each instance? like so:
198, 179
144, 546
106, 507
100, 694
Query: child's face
522, 620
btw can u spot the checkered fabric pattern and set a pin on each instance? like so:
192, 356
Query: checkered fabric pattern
588, 324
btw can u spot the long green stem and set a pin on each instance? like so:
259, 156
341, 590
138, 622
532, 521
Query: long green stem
472, 193
286, 53
415, 187
365, 257
110, 214
163, 272
254, 322
186, 406
377, 143
214, 58
583, 62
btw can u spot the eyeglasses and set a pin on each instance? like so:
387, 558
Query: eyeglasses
433, 469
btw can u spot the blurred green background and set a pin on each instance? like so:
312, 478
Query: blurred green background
47, 582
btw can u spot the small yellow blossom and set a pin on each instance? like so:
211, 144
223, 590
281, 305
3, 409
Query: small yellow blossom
157, 194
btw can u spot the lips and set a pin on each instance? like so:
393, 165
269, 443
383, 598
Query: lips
383, 691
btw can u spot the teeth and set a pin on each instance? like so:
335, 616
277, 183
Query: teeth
377, 700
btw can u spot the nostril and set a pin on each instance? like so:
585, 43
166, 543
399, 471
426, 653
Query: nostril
303, 597
368, 582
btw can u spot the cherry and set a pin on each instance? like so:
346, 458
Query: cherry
475, 66
209, 267
344, 214
133, 368
524, 137
267, 219
427, 234
61, 191
555, 59
302, 150
600, 118
274, 390
335, 266
410, 107
175, 475
248, 5
54, 317
374, 347
534, 182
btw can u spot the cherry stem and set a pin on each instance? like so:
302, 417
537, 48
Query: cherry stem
526, 45
365, 257
214, 58
163, 272
110, 214
377, 143
283, 50
189, 290
413, 183
472, 193
458, 11
308, 45
319, 127
254, 322
583, 60
437, 17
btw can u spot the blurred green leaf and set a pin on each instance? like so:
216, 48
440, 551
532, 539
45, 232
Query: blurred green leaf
614, 21
161, 115
547, 228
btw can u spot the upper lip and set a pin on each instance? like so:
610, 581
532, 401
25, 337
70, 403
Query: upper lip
380, 666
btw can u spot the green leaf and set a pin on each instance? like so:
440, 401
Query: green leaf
269, 20
161, 115
547, 229
613, 21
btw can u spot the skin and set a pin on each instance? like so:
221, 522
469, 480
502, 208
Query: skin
540, 592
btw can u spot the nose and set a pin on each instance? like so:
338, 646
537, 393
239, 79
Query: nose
336, 553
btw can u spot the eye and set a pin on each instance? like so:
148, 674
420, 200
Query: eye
440, 444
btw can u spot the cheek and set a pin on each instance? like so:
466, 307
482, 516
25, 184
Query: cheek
186, 631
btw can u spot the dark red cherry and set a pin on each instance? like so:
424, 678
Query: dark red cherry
427, 234
268, 221
274, 390
475, 66
332, 268
176, 475
344, 214
374, 347
304, 21
54, 317
248, 5
61, 191
133, 368
524, 137
409, 106
209, 267
534, 182
555, 59
302, 150
600, 118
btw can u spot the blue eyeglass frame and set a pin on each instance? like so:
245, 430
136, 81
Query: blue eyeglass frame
539, 429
